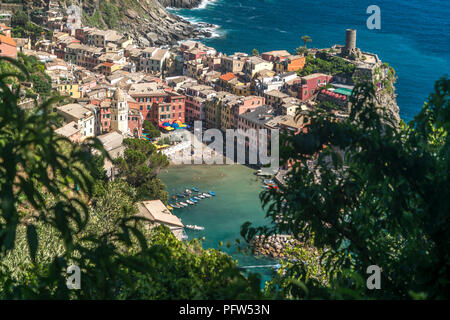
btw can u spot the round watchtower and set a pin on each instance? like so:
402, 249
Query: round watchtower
350, 40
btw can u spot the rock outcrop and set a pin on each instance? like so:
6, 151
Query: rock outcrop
145, 21
189, 4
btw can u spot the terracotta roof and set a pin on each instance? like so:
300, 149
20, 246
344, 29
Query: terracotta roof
228, 76
7, 40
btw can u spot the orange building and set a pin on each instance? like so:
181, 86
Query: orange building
8, 47
290, 63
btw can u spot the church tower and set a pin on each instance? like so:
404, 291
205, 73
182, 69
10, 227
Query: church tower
119, 112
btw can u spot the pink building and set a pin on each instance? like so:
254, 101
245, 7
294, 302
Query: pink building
246, 104
309, 85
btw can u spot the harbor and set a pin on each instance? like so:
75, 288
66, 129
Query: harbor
237, 190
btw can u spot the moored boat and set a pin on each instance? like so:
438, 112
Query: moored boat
189, 202
195, 189
195, 227
212, 193
193, 200
183, 204
207, 195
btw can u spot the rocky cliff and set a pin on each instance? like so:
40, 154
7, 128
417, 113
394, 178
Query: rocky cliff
146, 21
181, 3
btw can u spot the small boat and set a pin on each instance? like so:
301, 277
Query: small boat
212, 193
193, 200
169, 207
183, 204
189, 201
195, 189
201, 196
187, 191
197, 198
180, 195
195, 227
269, 181
174, 197
207, 195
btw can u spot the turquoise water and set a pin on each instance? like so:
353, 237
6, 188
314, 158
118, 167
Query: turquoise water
236, 202
414, 36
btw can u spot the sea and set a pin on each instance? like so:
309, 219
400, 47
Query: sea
414, 37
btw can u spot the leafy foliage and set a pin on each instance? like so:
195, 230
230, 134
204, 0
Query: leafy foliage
140, 165
152, 131
369, 193
327, 64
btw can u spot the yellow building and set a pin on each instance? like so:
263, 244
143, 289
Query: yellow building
70, 89
241, 89
225, 117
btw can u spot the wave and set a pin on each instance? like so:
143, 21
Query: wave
204, 4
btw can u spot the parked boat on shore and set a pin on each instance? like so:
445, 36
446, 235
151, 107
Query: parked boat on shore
195, 227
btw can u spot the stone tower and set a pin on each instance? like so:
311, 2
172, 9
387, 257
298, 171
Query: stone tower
350, 39
119, 112
351, 51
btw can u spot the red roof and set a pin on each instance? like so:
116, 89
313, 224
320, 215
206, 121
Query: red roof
228, 76
7, 40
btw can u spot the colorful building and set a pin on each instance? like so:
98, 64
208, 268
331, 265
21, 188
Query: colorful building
290, 63
309, 85
8, 47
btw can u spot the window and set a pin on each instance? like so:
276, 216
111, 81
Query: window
141, 108
306, 92
148, 107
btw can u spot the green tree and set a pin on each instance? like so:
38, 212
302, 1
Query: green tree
152, 131
140, 166
255, 52
306, 39
368, 192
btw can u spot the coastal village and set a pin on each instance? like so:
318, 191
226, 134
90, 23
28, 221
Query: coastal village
113, 85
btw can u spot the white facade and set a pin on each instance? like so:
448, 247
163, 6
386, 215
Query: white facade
119, 112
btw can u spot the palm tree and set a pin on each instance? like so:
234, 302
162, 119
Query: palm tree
306, 39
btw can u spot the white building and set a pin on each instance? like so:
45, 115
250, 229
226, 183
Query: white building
153, 60
81, 115
119, 112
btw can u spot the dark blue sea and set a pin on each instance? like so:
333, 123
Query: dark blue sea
414, 36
